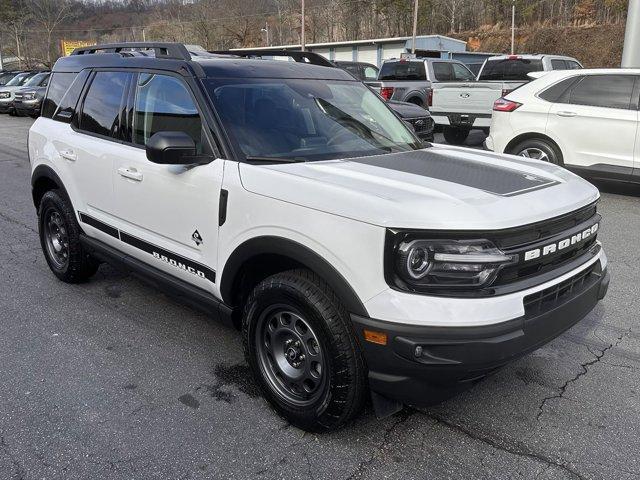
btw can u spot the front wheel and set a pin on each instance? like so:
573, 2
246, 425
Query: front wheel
455, 135
538, 149
300, 345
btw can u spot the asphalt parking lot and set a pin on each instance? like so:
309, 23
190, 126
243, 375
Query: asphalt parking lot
112, 380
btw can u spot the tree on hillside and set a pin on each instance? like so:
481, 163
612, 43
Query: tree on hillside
49, 14
14, 17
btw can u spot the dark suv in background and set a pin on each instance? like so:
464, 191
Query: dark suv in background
28, 100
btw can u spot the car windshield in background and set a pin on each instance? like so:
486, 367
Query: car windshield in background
292, 119
36, 80
510, 69
19, 79
402, 71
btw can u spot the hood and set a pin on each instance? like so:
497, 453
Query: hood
408, 110
440, 187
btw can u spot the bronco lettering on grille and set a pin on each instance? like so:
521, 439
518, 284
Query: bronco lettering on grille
561, 245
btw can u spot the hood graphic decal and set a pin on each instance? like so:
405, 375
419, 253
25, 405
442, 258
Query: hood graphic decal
489, 178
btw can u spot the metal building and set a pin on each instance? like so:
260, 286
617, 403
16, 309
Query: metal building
378, 49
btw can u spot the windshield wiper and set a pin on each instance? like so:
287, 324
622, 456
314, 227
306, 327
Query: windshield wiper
260, 160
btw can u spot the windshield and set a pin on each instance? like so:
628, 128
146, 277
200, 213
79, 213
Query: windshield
510, 69
307, 119
36, 80
6, 77
19, 79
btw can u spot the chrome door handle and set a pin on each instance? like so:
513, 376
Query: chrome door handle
68, 155
130, 173
566, 114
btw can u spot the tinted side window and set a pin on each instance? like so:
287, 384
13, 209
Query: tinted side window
403, 71
461, 73
442, 71
103, 103
370, 73
557, 93
59, 84
163, 103
558, 64
573, 65
612, 91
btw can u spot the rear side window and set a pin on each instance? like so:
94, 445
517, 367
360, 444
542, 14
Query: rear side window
442, 71
510, 69
370, 73
610, 91
558, 64
573, 65
59, 84
403, 71
163, 103
559, 92
103, 103
461, 73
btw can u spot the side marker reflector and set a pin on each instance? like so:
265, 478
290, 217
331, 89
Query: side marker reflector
375, 337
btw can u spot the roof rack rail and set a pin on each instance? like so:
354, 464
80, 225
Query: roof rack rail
168, 50
297, 55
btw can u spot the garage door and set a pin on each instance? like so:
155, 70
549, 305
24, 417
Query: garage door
323, 51
392, 51
368, 54
343, 53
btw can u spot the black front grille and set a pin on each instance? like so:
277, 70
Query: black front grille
546, 299
421, 124
544, 234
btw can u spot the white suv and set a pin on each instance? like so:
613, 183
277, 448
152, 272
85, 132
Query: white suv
288, 200
586, 120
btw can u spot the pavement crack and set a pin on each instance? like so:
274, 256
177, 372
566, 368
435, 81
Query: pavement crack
518, 448
405, 415
584, 369
14, 221
17, 466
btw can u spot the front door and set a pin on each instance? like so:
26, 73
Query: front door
168, 214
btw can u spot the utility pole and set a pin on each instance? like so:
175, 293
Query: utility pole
415, 26
513, 27
144, 35
266, 30
631, 50
302, 29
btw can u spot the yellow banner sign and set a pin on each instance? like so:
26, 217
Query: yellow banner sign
69, 46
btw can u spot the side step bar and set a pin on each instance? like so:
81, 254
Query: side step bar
170, 285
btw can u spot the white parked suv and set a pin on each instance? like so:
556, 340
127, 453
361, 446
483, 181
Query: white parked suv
288, 200
586, 120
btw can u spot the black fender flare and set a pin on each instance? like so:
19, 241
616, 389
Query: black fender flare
44, 172
297, 252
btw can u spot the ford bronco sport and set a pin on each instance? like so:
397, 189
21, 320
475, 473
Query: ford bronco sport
288, 200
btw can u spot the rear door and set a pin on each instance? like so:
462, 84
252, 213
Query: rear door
94, 145
596, 123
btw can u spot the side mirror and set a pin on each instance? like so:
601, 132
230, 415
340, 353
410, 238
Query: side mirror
410, 126
171, 148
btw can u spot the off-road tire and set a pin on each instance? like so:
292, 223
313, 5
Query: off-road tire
79, 265
345, 388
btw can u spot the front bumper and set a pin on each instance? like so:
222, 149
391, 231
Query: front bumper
6, 105
423, 365
27, 107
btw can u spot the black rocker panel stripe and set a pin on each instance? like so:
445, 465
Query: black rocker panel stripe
171, 258
95, 223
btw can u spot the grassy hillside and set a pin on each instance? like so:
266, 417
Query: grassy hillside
594, 46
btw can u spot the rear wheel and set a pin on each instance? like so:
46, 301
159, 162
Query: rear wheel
455, 135
60, 240
299, 343
538, 149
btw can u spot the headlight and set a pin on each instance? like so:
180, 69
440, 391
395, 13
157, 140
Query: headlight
448, 264
5, 95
